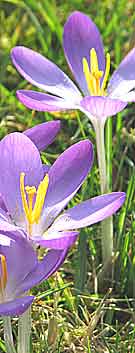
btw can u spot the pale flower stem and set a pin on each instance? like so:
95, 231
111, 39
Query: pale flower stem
24, 332
8, 337
107, 224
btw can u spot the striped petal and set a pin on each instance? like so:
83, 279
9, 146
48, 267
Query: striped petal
43, 73
44, 102
80, 36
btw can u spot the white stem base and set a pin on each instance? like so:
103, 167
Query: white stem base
107, 224
8, 337
24, 331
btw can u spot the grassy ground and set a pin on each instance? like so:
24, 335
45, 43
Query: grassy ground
80, 320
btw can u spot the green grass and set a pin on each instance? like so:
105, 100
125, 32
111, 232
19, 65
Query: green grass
68, 314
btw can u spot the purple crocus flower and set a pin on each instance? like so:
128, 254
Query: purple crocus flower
20, 270
34, 195
41, 135
85, 55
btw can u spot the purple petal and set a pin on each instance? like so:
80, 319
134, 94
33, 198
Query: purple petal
124, 91
16, 307
4, 240
89, 212
53, 239
17, 268
2, 204
69, 171
65, 178
10, 233
43, 135
4, 216
44, 102
43, 73
18, 154
125, 72
102, 107
50, 264
6, 226
80, 36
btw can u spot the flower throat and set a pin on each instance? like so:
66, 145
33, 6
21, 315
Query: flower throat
33, 214
93, 75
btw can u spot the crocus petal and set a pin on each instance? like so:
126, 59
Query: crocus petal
50, 264
4, 216
2, 204
17, 268
54, 239
18, 154
102, 107
16, 307
43, 73
43, 135
69, 171
80, 36
8, 227
129, 97
89, 212
9, 232
125, 72
124, 91
4, 240
65, 178
44, 102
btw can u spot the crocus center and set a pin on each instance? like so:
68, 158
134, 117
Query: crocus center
3, 276
33, 209
93, 75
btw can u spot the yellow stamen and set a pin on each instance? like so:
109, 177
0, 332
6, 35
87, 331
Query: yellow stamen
88, 76
41, 194
107, 70
94, 64
31, 191
23, 195
33, 215
93, 74
3, 278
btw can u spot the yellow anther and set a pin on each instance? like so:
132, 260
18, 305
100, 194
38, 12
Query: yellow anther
30, 190
33, 214
93, 74
93, 61
3, 277
94, 64
41, 194
23, 195
107, 71
88, 76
